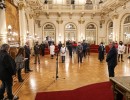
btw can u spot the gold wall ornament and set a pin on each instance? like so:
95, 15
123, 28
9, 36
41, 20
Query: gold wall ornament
115, 16
21, 5
81, 20
30, 16
59, 20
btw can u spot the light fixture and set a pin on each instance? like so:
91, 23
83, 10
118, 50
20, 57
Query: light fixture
11, 35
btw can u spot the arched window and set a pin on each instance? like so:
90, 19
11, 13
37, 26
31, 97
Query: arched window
110, 32
90, 34
126, 30
70, 32
49, 30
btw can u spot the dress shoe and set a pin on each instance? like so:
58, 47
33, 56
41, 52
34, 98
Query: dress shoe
30, 70
26, 71
21, 80
14, 98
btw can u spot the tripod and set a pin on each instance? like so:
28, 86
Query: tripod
57, 66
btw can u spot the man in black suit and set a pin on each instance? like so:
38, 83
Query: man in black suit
7, 70
27, 55
111, 59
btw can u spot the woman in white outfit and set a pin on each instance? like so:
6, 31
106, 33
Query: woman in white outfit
121, 50
52, 50
63, 53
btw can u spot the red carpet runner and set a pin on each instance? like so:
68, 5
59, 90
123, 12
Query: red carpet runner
99, 91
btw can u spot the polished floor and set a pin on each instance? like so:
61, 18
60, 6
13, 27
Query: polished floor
71, 75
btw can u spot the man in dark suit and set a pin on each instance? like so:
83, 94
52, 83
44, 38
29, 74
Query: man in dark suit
111, 59
37, 53
27, 55
101, 51
7, 70
79, 50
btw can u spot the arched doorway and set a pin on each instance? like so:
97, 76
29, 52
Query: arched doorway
126, 30
110, 32
90, 33
49, 30
70, 32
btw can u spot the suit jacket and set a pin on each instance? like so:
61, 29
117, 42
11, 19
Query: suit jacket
7, 66
27, 52
112, 57
101, 50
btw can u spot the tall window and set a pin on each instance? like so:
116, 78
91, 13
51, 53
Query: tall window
110, 32
90, 34
126, 30
70, 32
49, 30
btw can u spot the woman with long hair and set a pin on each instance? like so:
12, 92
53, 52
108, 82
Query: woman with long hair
20, 63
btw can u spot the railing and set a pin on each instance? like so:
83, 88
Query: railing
68, 7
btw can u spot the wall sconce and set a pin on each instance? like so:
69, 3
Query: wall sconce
29, 37
11, 35
59, 37
127, 35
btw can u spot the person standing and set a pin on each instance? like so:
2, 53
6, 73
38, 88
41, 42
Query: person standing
84, 48
70, 49
121, 50
101, 50
7, 70
37, 53
111, 59
52, 50
59, 45
79, 52
43, 48
27, 55
63, 53
20, 63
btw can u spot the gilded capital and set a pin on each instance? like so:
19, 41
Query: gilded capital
21, 5
59, 20
81, 20
115, 16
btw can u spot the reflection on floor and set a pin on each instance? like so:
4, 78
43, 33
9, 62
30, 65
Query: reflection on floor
71, 74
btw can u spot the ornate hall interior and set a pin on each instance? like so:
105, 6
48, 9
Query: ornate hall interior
94, 21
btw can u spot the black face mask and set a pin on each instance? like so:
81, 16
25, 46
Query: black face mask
121, 43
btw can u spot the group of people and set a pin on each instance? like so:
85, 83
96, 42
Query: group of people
81, 48
115, 54
9, 67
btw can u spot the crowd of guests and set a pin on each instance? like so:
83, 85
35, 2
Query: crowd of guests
115, 54
10, 67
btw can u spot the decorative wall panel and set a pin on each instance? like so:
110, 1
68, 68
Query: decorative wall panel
12, 18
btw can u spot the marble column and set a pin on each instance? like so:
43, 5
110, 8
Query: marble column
116, 26
22, 24
3, 31
59, 36
31, 30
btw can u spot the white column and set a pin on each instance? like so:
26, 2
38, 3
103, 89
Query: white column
116, 26
22, 22
31, 30
3, 31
